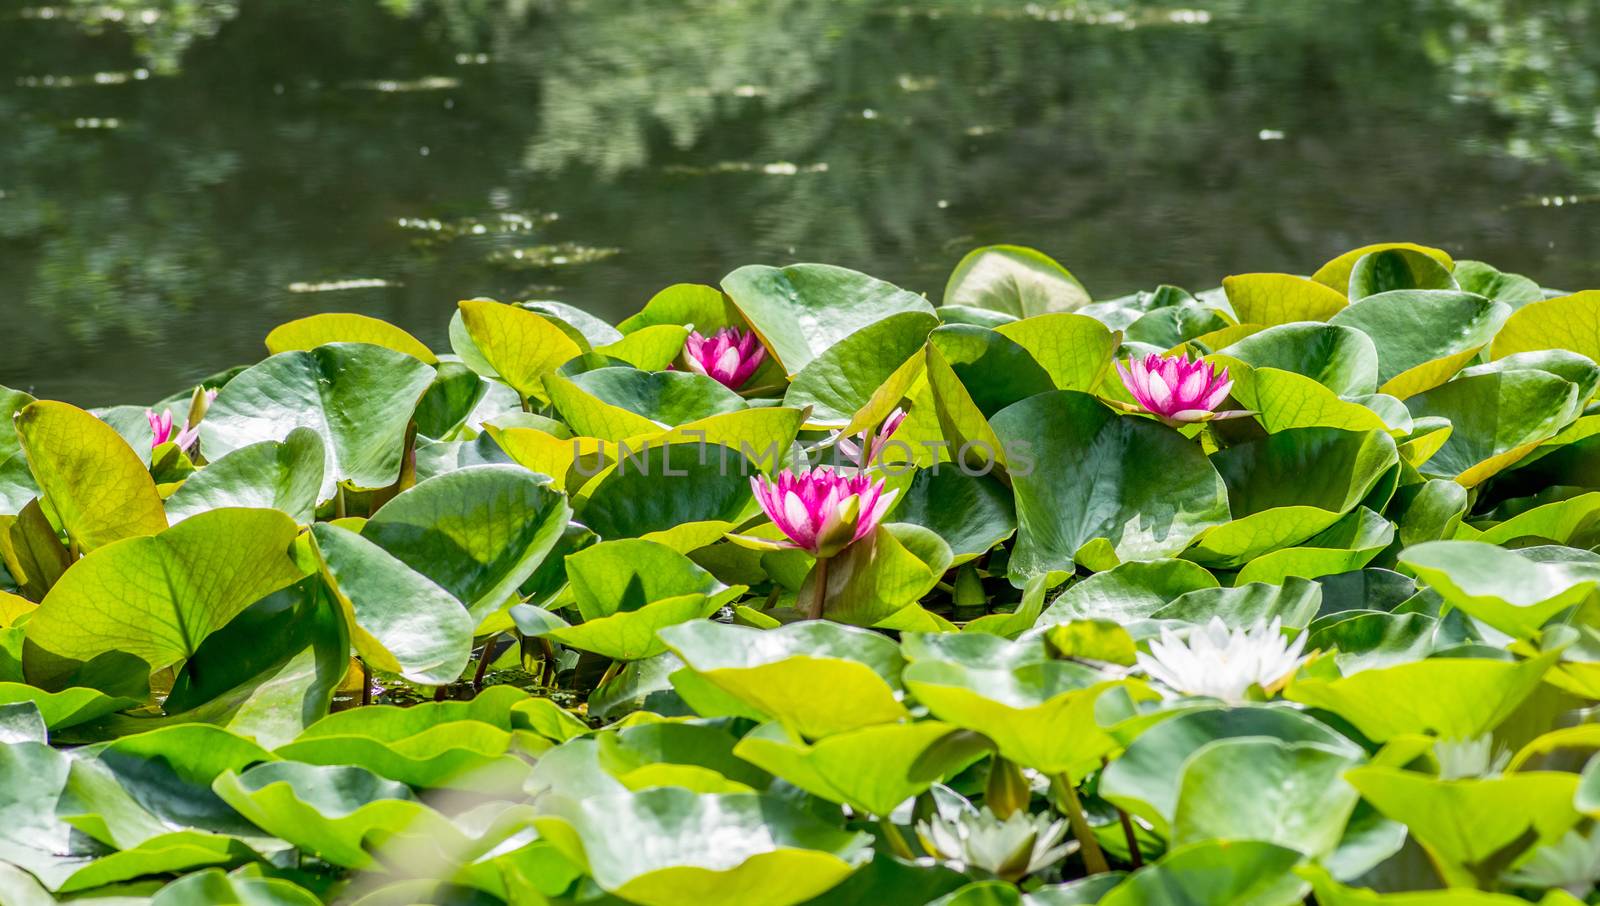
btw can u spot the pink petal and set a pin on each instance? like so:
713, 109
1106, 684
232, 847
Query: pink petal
1217, 395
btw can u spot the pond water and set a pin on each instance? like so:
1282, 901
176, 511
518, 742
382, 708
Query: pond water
178, 177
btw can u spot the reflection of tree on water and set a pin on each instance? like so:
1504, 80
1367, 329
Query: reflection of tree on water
1127, 139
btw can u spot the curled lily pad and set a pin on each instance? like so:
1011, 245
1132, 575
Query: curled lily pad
1146, 780
284, 475
1273, 299
1502, 588
1454, 698
1141, 486
872, 769
672, 847
94, 482
1015, 280
801, 310
1423, 336
1503, 816
1037, 711
782, 673
158, 597
357, 396
336, 327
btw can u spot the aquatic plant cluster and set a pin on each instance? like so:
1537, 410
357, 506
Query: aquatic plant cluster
802, 589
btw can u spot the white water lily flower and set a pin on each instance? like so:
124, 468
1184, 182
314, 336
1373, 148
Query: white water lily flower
1223, 664
1470, 758
1012, 848
1571, 863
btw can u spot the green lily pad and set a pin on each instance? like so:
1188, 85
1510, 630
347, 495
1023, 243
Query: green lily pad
1128, 591
672, 847
1215, 871
1038, 712
308, 333
1284, 400
358, 397
1294, 601
845, 378
972, 513
1289, 793
1497, 419
1470, 826
1568, 322
1342, 359
663, 397
331, 811
283, 476
1075, 350
459, 745
1510, 592
1423, 337
1014, 280
1146, 779
1349, 544
702, 307
1453, 698
94, 482
669, 485
816, 677
400, 620
802, 310
478, 532
513, 345
158, 597
1397, 268
1336, 273
1274, 299
872, 769
1143, 487
1287, 487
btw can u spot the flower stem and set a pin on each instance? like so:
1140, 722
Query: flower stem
1135, 858
366, 682
897, 841
819, 590
483, 663
1093, 859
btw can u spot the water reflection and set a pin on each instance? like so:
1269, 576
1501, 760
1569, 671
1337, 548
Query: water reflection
180, 176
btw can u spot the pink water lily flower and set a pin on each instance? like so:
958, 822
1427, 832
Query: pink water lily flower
823, 511
879, 440
161, 430
1177, 390
729, 356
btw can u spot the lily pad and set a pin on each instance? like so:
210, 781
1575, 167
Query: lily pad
779, 672
802, 310
1015, 280
357, 396
1143, 487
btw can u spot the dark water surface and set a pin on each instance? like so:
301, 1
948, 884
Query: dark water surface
178, 177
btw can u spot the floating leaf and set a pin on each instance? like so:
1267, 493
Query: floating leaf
158, 597
1453, 698
93, 480
802, 310
329, 327
671, 847
358, 397
283, 476
1140, 485
512, 345
1508, 591
1282, 299
778, 672
1423, 337
1014, 280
